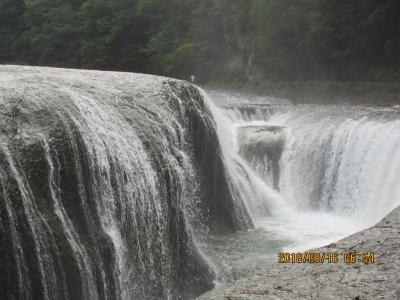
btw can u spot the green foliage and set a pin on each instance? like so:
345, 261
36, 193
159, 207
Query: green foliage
11, 19
234, 40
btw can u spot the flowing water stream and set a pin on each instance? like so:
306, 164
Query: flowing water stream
130, 186
308, 174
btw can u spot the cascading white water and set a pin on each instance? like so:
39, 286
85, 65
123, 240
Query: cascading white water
106, 180
126, 190
342, 160
260, 199
110, 182
338, 169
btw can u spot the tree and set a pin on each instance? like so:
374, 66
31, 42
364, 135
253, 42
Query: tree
11, 19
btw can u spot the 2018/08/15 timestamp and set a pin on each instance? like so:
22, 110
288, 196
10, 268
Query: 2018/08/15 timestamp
331, 258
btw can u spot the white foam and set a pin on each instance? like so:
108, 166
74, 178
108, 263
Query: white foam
339, 170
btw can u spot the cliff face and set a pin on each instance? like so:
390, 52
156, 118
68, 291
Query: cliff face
103, 177
379, 280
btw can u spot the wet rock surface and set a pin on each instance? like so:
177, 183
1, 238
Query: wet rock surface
379, 280
102, 177
262, 146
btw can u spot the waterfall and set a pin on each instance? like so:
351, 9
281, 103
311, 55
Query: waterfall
326, 171
125, 186
342, 159
106, 179
259, 198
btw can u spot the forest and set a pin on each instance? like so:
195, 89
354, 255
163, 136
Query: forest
230, 40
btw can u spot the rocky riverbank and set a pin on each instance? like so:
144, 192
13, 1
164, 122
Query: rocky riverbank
379, 280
